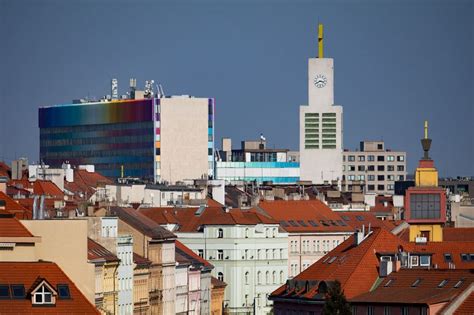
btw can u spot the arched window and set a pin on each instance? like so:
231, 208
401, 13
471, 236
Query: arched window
247, 233
220, 233
259, 277
267, 234
268, 277
275, 277
268, 254
220, 276
246, 277
282, 277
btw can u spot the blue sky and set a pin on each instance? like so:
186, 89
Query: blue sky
397, 63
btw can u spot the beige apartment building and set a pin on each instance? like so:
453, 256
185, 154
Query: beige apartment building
373, 168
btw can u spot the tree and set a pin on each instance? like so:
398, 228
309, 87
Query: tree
336, 303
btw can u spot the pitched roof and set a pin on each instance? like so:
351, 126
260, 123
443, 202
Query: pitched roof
467, 307
141, 261
305, 216
97, 252
48, 188
356, 219
11, 226
434, 286
5, 170
86, 182
356, 267
142, 223
14, 207
458, 234
27, 273
184, 253
383, 204
191, 219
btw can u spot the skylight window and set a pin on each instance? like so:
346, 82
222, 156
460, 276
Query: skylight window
442, 283
284, 223
18, 291
293, 223
63, 291
388, 283
416, 283
326, 259
332, 260
4, 291
345, 218
465, 257
341, 223
459, 283
311, 222
324, 223
302, 223
360, 218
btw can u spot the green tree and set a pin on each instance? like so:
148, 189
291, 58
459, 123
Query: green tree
336, 303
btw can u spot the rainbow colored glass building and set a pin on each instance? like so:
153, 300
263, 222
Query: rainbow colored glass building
166, 139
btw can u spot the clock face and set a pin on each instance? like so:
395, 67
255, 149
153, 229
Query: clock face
320, 80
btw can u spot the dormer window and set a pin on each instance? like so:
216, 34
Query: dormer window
43, 294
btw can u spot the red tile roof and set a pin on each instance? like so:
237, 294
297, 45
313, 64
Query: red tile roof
97, 252
11, 226
216, 283
383, 204
5, 170
86, 182
14, 207
141, 261
358, 218
356, 267
191, 219
398, 287
142, 223
47, 188
186, 253
299, 215
458, 234
467, 307
27, 273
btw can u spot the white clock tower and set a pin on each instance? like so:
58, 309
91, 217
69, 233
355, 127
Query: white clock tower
321, 123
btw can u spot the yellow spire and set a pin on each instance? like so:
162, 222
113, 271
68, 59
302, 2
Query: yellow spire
426, 129
320, 41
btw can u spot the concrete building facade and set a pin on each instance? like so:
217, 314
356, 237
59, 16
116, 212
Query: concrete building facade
321, 125
373, 168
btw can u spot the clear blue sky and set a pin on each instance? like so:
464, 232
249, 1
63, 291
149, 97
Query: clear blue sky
396, 64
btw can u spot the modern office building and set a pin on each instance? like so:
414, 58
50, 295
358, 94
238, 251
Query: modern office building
143, 135
373, 168
255, 162
321, 123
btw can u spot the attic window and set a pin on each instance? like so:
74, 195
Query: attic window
63, 291
389, 282
18, 291
332, 260
4, 291
345, 217
324, 223
360, 218
326, 259
448, 257
311, 222
284, 223
341, 223
293, 223
43, 296
442, 283
416, 283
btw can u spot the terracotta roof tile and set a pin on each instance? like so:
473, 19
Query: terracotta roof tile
96, 252
191, 219
48, 188
305, 216
12, 227
141, 261
467, 307
399, 287
86, 183
458, 234
356, 219
142, 223
27, 273
14, 207
186, 253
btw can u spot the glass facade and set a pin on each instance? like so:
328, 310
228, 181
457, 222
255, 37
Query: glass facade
107, 134
276, 172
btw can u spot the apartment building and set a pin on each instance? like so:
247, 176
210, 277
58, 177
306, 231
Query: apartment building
373, 168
